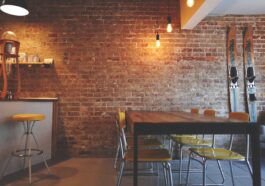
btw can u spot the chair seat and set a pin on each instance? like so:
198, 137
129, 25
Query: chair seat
28, 117
217, 153
145, 142
193, 141
175, 137
150, 155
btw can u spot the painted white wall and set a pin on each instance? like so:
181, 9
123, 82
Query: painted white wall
239, 7
11, 132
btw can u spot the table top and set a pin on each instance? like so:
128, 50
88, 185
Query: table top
187, 123
134, 117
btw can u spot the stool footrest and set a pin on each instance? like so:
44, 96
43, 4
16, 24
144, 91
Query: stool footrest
25, 152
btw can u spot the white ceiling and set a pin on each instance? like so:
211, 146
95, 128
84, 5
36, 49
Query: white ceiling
239, 7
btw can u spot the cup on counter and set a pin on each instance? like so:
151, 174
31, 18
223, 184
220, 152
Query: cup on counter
36, 58
33, 58
23, 57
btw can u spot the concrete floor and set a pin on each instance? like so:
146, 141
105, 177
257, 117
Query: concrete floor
72, 172
100, 172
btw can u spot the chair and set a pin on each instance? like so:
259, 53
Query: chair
29, 150
191, 140
143, 142
144, 156
194, 110
221, 153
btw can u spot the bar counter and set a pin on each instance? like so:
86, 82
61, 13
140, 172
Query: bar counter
11, 132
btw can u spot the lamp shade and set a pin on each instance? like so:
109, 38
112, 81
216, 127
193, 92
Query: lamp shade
14, 7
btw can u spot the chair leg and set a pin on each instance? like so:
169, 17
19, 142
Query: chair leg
204, 172
158, 173
188, 171
29, 159
231, 170
171, 147
43, 158
165, 173
221, 171
116, 156
169, 174
180, 163
120, 173
249, 168
26, 145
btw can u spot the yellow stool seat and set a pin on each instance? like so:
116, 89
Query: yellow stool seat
152, 155
193, 141
28, 117
217, 153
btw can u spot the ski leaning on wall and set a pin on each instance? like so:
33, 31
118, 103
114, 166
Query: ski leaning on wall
232, 70
249, 74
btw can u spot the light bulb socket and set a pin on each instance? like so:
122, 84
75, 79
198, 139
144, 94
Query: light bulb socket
157, 36
168, 19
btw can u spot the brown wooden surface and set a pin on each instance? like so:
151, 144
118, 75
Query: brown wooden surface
37, 99
133, 117
54, 129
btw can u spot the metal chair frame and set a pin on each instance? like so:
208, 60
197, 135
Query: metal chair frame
123, 148
208, 112
122, 137
28, 151
204, 161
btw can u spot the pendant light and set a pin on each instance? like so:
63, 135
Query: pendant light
157, 40
14, 7
190, 3
169, 26
157, 28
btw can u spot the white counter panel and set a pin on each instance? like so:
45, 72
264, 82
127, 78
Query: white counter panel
11, 132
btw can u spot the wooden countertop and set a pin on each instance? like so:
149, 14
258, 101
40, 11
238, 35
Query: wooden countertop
37, 99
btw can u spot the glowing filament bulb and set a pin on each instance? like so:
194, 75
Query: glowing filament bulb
190, 3
157, 40
169, 26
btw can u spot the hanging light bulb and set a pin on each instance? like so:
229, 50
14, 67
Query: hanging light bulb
157, 40
169, 26
190, 3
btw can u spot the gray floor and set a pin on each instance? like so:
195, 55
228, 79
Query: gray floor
100, 172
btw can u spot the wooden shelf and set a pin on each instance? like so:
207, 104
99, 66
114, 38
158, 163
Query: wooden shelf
30, 63
7, 55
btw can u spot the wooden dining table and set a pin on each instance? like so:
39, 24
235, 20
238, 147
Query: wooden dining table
161, 123
155, 117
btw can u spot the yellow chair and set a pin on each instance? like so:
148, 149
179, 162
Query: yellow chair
191, 140
144, 156
221, 153
194, 110
176, 136
143, 142
28, 121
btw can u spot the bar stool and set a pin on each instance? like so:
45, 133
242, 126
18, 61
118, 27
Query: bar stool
28, 121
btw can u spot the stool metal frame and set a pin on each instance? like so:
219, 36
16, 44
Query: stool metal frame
28, 151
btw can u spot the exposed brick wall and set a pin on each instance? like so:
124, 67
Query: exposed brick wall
106, 60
